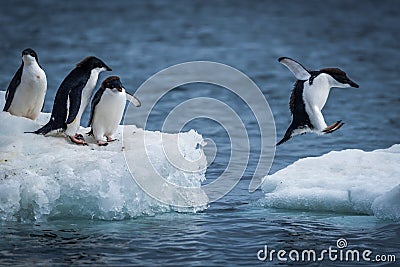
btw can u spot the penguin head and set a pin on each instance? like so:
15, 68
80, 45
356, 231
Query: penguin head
340, 78
114, 84
29, 56
91, 63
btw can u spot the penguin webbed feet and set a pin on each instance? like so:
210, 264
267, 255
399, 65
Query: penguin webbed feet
102, 143
105, 143
336, 126
110, 139
78, 139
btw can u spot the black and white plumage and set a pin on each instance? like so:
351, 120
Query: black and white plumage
309, 96
27, 89
107, 108
72, 97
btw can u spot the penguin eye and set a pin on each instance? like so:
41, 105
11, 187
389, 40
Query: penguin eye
32, 54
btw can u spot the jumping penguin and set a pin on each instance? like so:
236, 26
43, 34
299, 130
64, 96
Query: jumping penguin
309, 96
27, 89
107, 108
72, 97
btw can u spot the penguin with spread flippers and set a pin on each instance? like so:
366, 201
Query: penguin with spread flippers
309, 96
107, 108
27, 89
72, 97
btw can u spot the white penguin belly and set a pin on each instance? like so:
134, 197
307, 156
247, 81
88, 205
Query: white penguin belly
87, 92
317, 93
29, 96
108, 114
315, 97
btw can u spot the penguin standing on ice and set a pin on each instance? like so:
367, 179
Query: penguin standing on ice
27, 89
107, 108
72, 97
309, 96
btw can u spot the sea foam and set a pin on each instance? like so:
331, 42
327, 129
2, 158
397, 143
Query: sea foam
49, 177
348, 181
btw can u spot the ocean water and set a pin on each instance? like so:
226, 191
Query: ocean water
138, 39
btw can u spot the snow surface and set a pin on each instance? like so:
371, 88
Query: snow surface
49, 177
348, 181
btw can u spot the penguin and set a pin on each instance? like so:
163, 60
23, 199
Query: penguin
107, 108
72, 97
309, 96
27, 89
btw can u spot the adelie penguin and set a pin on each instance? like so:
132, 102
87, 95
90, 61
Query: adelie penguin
27, 89
309, 96
107, 108
72, 97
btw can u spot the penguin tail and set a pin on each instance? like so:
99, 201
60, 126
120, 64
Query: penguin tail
287, 136
284, 139
48, 127
295, 128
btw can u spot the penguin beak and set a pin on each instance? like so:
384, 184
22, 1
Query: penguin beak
353, 84
107, 68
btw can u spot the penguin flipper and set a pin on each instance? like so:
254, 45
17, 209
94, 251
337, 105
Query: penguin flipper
95, 101
12, 87
75, 97
296, 68
133, 99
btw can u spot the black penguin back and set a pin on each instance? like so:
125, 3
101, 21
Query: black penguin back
300, 118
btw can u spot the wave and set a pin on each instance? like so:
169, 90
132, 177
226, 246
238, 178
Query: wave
48, 177
348, 181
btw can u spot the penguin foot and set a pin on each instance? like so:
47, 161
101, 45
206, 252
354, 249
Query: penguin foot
78, 139
333, 127
102, 143
109, 139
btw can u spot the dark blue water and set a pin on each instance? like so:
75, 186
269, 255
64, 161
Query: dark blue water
138, 39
